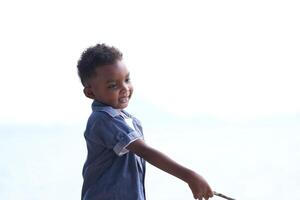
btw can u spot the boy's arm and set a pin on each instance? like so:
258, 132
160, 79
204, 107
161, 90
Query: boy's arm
197, 184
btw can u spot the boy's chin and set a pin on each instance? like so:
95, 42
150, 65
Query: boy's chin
120, 105
123, 106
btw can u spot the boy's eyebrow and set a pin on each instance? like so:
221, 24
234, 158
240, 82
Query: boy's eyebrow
110, 81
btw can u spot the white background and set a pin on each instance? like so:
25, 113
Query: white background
232, 64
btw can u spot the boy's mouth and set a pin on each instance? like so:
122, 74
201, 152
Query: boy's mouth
124, 99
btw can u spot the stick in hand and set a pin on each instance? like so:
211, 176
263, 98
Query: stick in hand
223, 196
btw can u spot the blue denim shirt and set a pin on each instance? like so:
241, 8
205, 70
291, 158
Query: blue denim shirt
110, 171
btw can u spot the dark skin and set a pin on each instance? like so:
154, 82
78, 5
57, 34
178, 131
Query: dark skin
197, 183
111, 85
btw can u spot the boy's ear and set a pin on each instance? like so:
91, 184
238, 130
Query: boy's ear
88, 92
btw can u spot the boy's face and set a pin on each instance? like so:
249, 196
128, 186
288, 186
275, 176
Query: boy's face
111, 85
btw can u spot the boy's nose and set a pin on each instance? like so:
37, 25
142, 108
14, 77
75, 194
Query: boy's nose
125, 89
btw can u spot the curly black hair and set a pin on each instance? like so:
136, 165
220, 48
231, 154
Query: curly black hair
96, 56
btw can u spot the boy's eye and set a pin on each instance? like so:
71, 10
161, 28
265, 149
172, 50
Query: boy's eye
127, 80
112, 86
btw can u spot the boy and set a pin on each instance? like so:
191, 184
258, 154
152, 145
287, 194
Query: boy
115, 164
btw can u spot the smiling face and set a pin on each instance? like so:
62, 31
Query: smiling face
110, 85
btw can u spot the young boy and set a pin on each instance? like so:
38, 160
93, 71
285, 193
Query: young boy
115, 164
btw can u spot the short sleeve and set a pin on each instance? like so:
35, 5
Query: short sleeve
112, 132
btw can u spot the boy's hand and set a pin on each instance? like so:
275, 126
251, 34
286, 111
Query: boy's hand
199, 187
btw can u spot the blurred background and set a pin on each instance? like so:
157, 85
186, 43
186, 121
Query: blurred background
216, 88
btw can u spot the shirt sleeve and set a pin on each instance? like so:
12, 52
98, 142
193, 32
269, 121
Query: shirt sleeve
113, 133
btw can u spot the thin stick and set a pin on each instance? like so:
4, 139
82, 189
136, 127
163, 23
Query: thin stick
223, 196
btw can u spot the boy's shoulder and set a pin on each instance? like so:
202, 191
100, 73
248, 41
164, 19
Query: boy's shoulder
102, 116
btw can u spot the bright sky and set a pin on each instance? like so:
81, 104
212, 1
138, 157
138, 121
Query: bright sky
222, 58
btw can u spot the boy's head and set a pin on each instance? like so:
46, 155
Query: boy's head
104, 76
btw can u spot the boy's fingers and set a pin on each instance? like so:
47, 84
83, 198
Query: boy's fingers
199, 197
207, 196
210, 193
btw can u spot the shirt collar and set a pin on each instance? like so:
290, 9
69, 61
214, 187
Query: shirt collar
98, 106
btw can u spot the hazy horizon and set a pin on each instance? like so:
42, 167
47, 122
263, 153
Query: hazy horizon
216, 88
